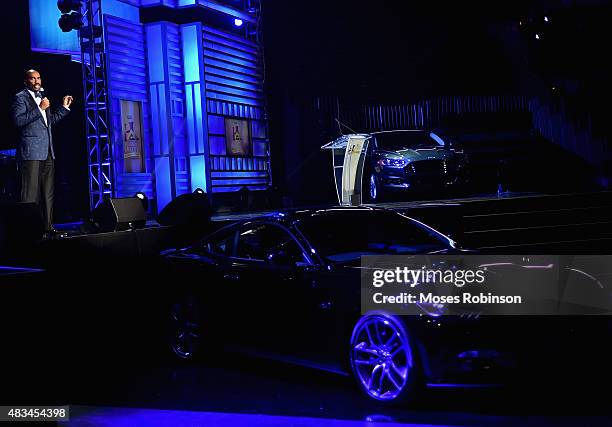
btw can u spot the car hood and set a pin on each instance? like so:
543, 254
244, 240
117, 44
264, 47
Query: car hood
420, 154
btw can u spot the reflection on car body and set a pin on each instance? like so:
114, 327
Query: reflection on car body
288, 286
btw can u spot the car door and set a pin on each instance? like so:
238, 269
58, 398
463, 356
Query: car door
210, 279
267, 267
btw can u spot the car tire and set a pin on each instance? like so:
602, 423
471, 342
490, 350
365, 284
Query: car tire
374, 189
384, 361
184, 329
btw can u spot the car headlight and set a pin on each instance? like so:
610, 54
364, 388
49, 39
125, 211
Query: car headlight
393, 163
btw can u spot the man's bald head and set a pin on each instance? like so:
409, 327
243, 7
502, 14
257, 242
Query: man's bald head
32, 80
30, 71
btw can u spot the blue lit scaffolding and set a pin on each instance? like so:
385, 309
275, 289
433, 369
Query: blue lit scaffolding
96, 109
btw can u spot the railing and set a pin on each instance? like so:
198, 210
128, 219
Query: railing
423, 114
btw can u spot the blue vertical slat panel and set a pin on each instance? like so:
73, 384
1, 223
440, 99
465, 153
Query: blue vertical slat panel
127, 70
233, 79
155, 36
163, 120
196, 112
157, 146
169, 106
176, 94
191, 124
162, 186
155, 54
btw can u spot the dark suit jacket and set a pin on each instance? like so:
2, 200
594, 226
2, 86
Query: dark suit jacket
34, 137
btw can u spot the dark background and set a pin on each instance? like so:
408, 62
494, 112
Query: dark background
397, 52
362, 51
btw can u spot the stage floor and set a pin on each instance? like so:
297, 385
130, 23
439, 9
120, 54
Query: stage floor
399, 205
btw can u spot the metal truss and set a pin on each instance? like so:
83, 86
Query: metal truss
97, 129
254, 32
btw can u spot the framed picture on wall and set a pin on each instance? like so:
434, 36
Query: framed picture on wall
131, 125
237, 137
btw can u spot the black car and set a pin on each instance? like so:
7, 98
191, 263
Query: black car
287, 286
411, 160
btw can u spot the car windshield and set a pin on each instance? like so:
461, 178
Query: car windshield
344, 236
394, 141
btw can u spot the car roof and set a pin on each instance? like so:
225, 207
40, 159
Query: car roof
400, 131
290, 215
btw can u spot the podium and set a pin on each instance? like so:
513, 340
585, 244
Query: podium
348, 159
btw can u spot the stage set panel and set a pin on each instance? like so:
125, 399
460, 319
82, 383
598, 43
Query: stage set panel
186, 99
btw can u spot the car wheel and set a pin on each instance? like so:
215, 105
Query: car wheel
382, 359
184, 334
374, 189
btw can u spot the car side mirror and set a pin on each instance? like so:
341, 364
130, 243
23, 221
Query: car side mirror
280, 258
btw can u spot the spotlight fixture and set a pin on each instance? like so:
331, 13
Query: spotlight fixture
198, 191
71, 18
546, 19
238, 22
143, 199
69, 22
537, 36
67, 6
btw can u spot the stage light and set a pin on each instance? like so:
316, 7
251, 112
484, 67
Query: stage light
143, 199
546, 19
198, 191
238, 22
537, 36
70, 22
66, 6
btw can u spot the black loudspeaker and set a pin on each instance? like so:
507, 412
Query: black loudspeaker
192, 209
120, 214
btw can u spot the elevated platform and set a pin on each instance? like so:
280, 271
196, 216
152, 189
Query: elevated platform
515, 222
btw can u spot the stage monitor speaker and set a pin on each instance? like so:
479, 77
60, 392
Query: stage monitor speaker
191, 209
120, 214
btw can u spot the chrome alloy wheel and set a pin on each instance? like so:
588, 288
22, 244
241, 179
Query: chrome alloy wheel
381, 357
184, 334
373, 188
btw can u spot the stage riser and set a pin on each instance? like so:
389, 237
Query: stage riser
559, 224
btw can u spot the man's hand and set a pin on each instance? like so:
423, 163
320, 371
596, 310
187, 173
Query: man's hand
67, 100
44, 103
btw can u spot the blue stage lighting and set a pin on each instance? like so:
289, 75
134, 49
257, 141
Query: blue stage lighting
238, 22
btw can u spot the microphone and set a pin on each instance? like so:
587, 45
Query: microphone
43, 94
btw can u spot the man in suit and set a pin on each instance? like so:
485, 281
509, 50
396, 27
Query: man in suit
34, 120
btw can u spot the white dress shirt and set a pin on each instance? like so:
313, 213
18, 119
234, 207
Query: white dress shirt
38, 100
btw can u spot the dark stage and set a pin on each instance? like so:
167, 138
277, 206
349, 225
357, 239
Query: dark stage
229, 169
95, 341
